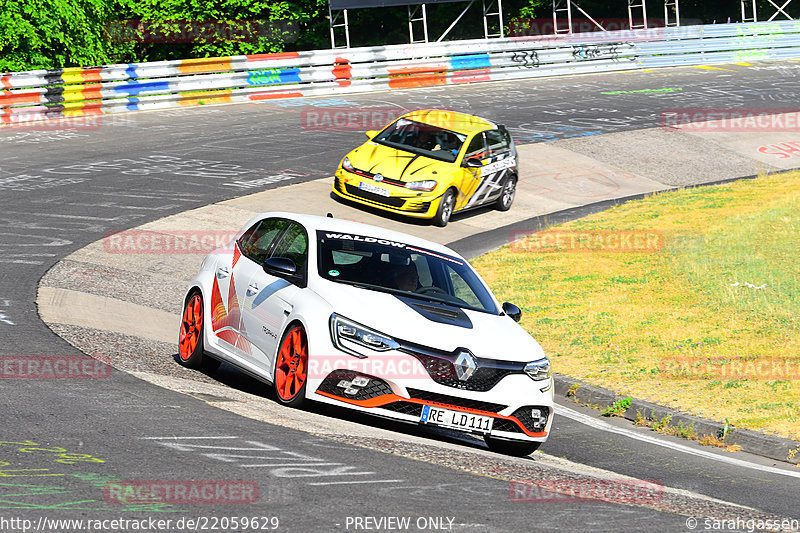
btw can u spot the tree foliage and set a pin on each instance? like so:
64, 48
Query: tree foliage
52, 33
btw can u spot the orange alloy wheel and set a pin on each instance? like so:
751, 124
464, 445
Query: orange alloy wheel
291, 368
191, 327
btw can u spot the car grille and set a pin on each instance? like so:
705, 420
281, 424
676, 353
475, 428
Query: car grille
384, 179
390, 201
523, 414
412, 206
456, 401
417, 207
376, 387
502, 424
406, 408
441, 369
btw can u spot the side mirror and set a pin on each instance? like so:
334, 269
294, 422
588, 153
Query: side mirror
280, 266
473, 162
513, 311
371, 133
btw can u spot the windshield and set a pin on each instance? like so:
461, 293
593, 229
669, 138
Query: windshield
422, 139
402, 269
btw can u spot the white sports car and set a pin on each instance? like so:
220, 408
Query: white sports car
373, 320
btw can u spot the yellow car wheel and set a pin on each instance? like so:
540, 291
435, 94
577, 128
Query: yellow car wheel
507, 196
442, 216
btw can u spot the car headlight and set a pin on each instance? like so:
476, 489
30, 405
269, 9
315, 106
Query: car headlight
350, 336
347, 165
539, 370
426, 185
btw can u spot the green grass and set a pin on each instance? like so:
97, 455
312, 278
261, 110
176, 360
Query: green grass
618, 408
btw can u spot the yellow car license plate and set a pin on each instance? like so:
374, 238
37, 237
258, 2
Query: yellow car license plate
374, 189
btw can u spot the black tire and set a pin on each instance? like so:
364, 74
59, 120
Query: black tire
511, 447
191, 347
291, 367
507, 195
445, 211
209, 364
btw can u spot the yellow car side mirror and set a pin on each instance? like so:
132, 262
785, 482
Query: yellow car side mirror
371, 133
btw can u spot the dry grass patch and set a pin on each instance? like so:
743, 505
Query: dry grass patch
677, 326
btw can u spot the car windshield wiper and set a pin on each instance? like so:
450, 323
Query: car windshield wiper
445, 302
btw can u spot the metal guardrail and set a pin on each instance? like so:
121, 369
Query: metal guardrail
44, 94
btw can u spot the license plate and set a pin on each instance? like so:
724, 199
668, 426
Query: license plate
456, 419
374, 189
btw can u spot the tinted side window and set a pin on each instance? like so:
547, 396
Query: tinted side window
476, 148
255, 243
497, 142
294, 245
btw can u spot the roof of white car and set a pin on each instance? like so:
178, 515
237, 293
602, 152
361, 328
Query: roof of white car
313, 223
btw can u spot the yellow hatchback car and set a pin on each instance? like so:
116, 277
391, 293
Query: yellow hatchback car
431, 164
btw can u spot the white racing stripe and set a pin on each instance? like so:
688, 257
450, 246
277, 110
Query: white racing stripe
489, 184
605, 426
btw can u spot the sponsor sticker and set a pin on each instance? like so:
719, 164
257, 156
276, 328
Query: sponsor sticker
497, 166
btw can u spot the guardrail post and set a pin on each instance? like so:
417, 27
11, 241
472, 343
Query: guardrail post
754, 17
676, 9
487, 13
345, 24
568, 11
631, 7
411, 20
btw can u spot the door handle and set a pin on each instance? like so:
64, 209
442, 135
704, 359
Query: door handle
252, 289
223, 272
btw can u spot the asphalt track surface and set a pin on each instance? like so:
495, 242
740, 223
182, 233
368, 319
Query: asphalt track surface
61, 190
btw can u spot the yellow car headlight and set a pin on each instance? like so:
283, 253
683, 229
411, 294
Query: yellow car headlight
426, 185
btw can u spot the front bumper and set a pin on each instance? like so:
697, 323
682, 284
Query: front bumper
402, 201
402, 395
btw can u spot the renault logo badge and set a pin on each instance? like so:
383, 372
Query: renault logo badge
465, 366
